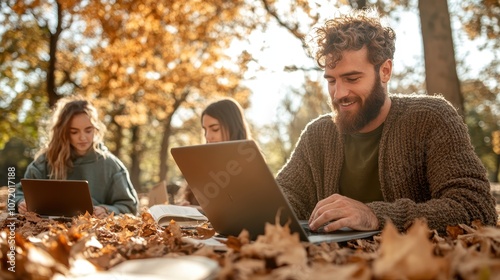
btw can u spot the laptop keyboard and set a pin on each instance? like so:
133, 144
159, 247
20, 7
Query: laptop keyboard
308, 230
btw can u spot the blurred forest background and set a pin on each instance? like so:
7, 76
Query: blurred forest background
151, 66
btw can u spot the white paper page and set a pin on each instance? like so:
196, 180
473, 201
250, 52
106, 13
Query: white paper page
176, 211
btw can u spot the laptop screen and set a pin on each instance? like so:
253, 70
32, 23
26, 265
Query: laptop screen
235, 187
65, 198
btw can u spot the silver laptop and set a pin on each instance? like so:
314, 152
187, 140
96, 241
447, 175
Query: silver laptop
237, 191
57, 198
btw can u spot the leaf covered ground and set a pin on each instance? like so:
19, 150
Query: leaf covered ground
49, 249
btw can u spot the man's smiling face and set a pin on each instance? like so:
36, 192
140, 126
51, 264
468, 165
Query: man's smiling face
355, 90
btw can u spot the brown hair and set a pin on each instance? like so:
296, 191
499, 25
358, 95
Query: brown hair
58, 151
351, 32
231, 118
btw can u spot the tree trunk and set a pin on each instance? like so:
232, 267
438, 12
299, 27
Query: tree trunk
440, 65
135, 159
497, 170
51, 71
165, 144
117, 137
358, 4
167, 132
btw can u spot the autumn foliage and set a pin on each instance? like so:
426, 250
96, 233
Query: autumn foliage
48, 248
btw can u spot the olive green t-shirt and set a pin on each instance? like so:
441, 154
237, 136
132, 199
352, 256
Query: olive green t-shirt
359, 178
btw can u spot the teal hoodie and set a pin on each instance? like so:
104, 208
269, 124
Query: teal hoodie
108, 178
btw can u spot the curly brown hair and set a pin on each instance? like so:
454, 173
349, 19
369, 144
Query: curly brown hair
351, 32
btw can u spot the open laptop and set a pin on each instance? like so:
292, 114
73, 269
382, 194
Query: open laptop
57, 198
237, 191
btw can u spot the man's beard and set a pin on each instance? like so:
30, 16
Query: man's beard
351, 122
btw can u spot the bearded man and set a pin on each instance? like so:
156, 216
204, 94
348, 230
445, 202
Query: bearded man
381, 156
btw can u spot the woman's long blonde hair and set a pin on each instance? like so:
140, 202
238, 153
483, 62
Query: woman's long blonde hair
58, 151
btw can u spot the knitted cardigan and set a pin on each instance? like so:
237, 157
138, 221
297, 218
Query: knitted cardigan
427, 167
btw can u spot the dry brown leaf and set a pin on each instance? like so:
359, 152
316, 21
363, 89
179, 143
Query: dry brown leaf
205, 232
323, 252
104, 259
486, 240
59, 248
33, 262
408, 256
277, 243
467, 228
89, 244
244, 269
454, 231
174, 229
40, 262
477, 224
332, 253
356, 271
291, 272
244, 237
365, 245
148, 225
468, 263
147, 218
32, 217
233, 243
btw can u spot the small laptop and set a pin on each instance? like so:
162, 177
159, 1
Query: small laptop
236, 190
57, 198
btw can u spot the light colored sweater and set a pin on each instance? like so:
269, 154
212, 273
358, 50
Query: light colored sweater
427, 167
108, 178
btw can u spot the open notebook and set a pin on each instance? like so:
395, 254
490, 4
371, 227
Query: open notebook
237, 191
57, 198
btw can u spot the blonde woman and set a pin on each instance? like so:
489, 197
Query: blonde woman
75, 152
